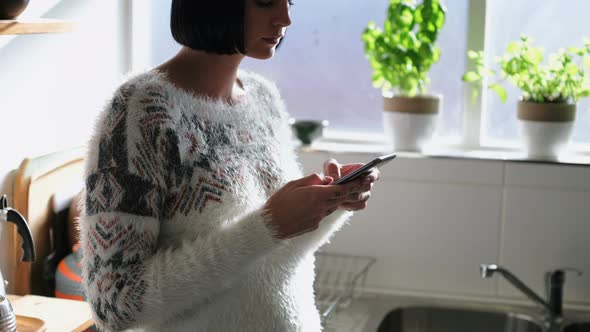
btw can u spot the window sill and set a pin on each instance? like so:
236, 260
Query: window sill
378, 144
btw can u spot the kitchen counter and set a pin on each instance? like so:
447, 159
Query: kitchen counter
366, 313
59, 315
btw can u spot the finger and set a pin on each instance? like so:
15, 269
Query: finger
354, 206
337, 197
362, 188
348, 168
332, 168
359, 197
373, 175
330, 193
311, 180
335, 194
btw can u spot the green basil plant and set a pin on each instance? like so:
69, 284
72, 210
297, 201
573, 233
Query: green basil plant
402, 53
563, 79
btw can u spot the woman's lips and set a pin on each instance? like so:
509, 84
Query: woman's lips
272, 41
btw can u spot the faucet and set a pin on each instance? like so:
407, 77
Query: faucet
554, 281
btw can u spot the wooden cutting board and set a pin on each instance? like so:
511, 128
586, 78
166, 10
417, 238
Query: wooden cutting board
30, 324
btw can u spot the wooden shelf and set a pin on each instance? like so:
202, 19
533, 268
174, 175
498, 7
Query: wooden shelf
24, 27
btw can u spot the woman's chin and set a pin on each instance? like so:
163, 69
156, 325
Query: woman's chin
262, 53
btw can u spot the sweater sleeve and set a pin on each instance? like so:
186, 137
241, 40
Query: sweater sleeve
314, 240
129, 280
310, 241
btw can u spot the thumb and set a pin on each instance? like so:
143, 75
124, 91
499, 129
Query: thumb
313, 179
332, 168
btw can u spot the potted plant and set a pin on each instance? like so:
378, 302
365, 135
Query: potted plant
401, 55
546, 109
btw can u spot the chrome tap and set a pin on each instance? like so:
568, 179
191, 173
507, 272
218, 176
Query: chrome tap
554, 281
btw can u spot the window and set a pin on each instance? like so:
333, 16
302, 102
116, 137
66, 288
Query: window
552, 24
322, 71
321, 68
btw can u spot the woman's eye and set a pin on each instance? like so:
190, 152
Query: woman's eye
264, 3
270, 3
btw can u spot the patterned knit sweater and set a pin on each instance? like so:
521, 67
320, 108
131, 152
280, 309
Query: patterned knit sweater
173, 233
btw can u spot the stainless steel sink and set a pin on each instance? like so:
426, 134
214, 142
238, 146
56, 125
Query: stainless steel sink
438, 319
577, 327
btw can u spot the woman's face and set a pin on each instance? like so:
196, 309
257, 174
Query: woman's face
265, 22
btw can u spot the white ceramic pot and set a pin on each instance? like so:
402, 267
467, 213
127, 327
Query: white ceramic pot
545, 128
545, 140
410, 121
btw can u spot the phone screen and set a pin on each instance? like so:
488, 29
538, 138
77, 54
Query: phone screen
379, 161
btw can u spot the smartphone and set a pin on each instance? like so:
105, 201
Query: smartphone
379, 161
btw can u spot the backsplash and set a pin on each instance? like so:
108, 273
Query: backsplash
432, 221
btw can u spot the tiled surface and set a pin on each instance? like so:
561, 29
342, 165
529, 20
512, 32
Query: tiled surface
548, 176
432, 221
448, 171
543, 230
426, 236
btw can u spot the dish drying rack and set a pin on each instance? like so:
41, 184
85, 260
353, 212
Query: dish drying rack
339, 280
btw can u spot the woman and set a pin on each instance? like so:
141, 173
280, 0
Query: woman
196, 216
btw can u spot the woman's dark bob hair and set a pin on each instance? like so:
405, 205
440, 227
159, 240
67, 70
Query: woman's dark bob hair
215, 26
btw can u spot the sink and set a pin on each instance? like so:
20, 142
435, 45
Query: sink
577, 327
442, 319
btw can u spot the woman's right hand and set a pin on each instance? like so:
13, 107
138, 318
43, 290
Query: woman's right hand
300, 205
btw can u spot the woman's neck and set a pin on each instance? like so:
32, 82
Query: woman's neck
205, 74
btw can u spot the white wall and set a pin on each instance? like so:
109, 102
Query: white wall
53, 85
432, 221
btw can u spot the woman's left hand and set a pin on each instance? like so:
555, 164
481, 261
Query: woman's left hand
357, 198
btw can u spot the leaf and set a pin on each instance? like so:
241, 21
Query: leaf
387, 27
436, 55
377, 76
439, 20
535, 55
426, 51
500, 91
471, 77
406, 17
513, 47
472, 54
576, 50
572, 69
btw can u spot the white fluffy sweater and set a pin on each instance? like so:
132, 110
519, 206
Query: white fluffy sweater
173, 233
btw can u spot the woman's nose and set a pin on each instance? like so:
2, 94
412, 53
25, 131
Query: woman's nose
283, 18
